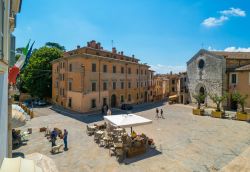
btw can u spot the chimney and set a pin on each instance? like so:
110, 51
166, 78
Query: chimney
122, 53
88, 44
114, 50
78, 46
93, 44
171, 73
133, 55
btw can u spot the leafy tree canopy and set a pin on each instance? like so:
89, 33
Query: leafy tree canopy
36, 77
55, 45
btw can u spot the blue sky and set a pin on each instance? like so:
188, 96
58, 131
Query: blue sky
162, 33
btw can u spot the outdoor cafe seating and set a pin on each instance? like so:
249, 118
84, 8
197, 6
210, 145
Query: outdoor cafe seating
114, 136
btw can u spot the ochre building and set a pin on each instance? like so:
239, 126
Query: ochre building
89, 77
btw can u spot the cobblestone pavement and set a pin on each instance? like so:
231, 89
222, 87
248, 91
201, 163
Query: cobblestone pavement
184, 142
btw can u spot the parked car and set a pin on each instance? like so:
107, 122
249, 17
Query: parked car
41, 103
126, 107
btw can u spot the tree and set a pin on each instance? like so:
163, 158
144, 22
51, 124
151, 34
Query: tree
199, 98
36, 77
218, 100
240, 99
55, 45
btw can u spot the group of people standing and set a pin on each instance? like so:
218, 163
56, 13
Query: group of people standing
157, 113
106, 110
64, 136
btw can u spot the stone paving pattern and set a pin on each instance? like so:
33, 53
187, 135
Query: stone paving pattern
184, 142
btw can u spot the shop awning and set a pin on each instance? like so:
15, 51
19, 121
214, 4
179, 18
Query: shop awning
173, 97
127, 120
19, 165
19, 116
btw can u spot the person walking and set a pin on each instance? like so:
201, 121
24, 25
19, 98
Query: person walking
65, 139
157, 112
162, 114
53, 138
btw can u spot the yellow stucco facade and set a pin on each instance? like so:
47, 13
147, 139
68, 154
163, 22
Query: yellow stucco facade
87, 78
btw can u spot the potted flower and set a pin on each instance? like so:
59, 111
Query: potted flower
241, 100
217, 100
199, 98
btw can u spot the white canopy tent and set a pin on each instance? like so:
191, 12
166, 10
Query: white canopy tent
127, 120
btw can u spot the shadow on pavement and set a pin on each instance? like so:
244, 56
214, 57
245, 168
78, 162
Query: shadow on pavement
97, 116
150, 153
18, 154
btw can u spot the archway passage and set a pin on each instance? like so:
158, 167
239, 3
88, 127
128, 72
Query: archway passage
202, 92
113, 100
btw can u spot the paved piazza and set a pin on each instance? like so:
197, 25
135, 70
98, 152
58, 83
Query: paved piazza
184, 142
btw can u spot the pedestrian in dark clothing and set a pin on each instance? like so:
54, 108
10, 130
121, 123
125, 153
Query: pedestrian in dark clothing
103, 110
53, 138
162, 114
157, 112
65, 139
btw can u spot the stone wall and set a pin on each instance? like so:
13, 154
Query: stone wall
211, 76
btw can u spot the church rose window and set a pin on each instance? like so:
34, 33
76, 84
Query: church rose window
201, 64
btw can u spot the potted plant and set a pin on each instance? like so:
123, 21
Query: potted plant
241, 100
217, 100
199, 98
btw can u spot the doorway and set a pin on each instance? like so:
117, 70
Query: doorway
113, 100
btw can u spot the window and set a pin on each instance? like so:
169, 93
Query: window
93, 103
63, 64
93, 67
122, 99
70, 67
173, 89
173, 81
141, 72
63, 91
137, 71
145, 72
105, 86
70, 103
122, 85
141, 84
137, 84
114, 69
129, 85
62, 77
105, 69
70, 85
57, 69
114, 85
141, 95
201, 64
129, 70
137, 96
145, 84
57, 84
233, 78
129, 97
93, 86
104, 101
151, 93
122, 69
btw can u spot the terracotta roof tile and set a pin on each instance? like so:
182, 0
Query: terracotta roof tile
243, 68
232, 55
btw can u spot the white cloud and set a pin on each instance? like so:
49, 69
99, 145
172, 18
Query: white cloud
234, 12
212, 21
235, 49
225, 15
163, 69
231, 49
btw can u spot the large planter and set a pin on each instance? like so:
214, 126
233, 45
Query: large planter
198, 112
242, 116
217, 114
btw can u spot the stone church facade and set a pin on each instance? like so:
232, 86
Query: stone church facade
209, 72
